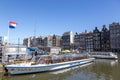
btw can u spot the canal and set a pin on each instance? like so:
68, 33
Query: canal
100, 69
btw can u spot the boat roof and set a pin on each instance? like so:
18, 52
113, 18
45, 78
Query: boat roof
15, 53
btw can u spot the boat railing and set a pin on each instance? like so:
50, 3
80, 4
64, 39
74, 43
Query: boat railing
13, 60
48, 59
100, 53
113, 54
103, 54
33, 59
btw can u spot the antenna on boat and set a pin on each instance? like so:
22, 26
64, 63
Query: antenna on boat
35, 28
18, 44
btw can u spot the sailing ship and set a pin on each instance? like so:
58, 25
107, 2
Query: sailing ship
43, 63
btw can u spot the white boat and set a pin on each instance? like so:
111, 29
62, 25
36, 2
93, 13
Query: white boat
104, 55
60, 62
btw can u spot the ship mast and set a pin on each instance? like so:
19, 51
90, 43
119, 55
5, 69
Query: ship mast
35, 28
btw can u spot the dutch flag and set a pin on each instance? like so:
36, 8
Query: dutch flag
12, 24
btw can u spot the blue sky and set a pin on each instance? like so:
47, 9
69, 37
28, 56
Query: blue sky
56, 16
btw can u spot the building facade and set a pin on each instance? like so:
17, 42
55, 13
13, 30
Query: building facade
56, 41
25, 41
105, 39
89, 42
3, 40
49, 41
79, 41
2, 51
97, 39
115, 37
76, 40
66, 40
41, 41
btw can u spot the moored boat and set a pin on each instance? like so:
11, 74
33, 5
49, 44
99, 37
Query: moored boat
104, 55
48, 63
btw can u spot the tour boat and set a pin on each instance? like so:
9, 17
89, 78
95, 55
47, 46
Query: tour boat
104, 55
48, 63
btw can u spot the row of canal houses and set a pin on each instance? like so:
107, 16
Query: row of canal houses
106, 39
93, 41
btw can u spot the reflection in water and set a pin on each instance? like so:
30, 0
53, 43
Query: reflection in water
106, 62
69, 69
97, 70
104, 67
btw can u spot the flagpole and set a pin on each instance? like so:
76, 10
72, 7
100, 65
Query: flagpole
12, 25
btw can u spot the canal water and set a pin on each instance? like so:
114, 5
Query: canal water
100, 69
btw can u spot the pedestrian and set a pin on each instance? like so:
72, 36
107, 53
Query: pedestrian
35, 55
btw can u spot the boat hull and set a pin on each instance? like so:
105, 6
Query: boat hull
28, 68
104, 57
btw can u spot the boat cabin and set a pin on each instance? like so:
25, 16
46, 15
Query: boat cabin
13, 53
